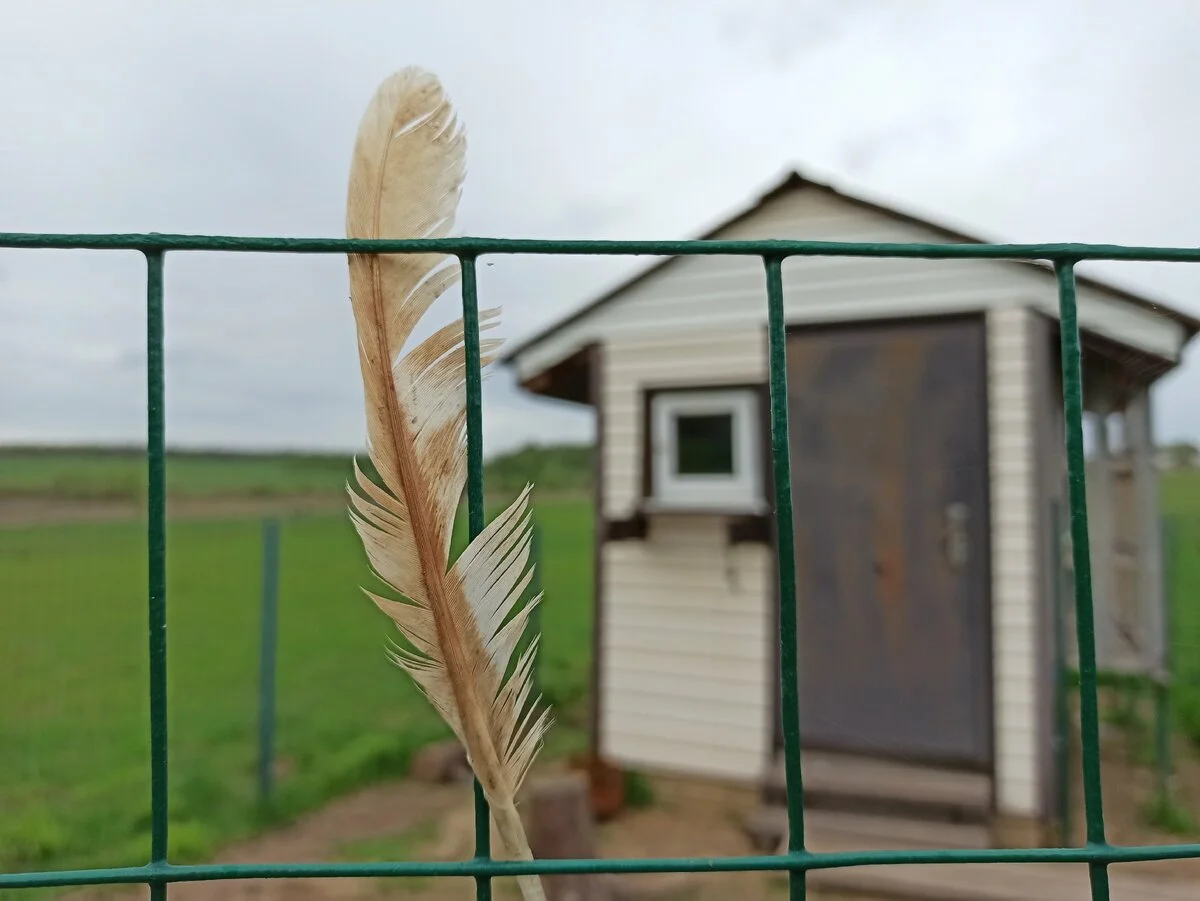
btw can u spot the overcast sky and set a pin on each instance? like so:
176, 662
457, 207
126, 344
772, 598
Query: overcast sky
1050, 120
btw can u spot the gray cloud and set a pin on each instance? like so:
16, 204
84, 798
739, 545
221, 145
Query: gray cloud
649, 120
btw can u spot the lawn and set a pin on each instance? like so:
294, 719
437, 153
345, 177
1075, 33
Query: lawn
74, 748
1181, 504
91, 474
85, 473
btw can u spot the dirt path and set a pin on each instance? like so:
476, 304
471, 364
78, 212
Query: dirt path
445, 818
416, 821
384, 810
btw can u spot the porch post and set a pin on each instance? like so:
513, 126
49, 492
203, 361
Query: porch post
1152, 613
1100, 511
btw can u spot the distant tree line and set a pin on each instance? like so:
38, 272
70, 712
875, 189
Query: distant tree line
1180, 455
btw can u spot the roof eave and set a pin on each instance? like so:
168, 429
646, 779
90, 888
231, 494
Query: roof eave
794, 180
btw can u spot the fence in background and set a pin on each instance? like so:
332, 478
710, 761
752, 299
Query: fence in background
159, 873
1127, 691
269, 643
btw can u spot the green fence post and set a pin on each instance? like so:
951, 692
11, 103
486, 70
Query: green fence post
269, 639
475, 508
156, 515
1062, 741
1085, 626
1163, 679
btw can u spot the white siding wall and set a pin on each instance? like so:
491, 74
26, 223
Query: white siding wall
687, 665
687, 624
686, 356
1015, 577
687, 651
730, 292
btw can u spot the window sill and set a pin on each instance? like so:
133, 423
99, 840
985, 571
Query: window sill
744, 525
654, 506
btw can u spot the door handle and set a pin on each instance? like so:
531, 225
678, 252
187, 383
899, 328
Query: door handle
954, 539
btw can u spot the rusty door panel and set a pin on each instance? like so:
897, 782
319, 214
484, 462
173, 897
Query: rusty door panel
889, 482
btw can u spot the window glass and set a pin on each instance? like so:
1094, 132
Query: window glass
704, 444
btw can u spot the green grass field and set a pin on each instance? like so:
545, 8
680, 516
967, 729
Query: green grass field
84, 474
73, 665
93, 474
1181, 504
74, 749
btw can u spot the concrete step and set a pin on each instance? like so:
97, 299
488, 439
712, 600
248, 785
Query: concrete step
835, 830
865, 785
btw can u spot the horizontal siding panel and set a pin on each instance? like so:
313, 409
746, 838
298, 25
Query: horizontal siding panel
632, 350
1014, 560
1010, 619
738, 581
708, 364
666, 356
1018, 751
1019, 748
735, 685
638, 660
1014, 440
651, 721
677, 341
645, 368
686, 676
735, 720
687, 596
846, 304
677, 641
633, 583
639, 751
732, 627
1014, 672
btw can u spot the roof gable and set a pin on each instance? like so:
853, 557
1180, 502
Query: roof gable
793, 182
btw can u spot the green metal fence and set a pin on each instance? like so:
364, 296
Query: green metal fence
159, 873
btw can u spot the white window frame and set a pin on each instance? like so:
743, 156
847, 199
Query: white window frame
740, 492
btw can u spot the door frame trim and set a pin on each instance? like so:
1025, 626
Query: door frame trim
986, 693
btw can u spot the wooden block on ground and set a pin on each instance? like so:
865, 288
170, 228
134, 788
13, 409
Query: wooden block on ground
1020, 832
443, 761
561, 825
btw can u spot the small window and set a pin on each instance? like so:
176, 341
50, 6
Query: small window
704, 444
705, 450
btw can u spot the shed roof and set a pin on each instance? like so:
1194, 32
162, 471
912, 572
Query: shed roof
794, 180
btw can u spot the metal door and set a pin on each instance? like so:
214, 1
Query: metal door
889, 473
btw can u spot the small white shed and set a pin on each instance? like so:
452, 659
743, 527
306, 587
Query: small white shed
926, 443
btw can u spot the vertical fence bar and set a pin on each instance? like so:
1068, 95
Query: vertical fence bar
475, 508
1062, 731
786, 563
156, 464
1165, 680
1085, 626
269, 641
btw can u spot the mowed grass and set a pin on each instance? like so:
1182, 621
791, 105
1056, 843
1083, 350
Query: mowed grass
90, 474
74, 735
1181, 505
120, 473
74, 738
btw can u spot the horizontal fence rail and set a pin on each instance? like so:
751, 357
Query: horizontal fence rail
1097, 853
472, 247
826, 860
